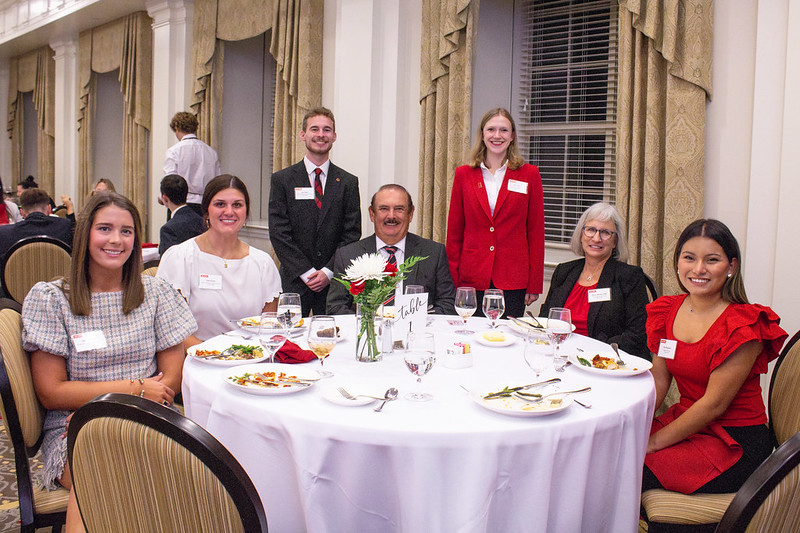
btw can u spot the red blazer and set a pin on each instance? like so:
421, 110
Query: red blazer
507, 248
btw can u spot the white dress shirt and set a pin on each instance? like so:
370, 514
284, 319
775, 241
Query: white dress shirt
323, 178
493, 182
196, 162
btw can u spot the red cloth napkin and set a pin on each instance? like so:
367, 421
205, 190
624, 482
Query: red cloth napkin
292, 353
149, 245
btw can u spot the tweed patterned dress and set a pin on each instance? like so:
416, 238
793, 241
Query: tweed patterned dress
160, 322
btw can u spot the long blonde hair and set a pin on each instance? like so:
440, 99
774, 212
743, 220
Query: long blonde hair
478, 153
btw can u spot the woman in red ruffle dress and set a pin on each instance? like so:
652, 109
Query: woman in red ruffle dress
716, 345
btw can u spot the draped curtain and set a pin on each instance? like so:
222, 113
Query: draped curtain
448, 38
34, 71
296, 45
125, 44
664, 80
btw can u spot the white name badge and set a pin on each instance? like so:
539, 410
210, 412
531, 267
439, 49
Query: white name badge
600, 295
518, 186
90, 340
210, 281
303, 193
666, 348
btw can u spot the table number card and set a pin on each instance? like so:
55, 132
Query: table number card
410, 310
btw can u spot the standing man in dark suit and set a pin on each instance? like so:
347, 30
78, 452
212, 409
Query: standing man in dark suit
314, 208
35, 207
184, 223
391, 212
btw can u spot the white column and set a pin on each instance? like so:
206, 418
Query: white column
172, 65
5, 142
66, 119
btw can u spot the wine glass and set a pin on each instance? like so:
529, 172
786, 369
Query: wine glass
322, 338
413, 289
273, 330
538, 351
559, 328
494, 305
466, 305
419, 358
289, 302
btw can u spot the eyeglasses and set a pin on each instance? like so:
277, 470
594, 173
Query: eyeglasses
590, 232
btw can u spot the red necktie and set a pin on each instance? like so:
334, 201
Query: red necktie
392, 260
318, 188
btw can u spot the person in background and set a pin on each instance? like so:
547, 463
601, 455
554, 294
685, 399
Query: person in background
105, 328
716, 345
191, 158
495, 227
9, 212
606, 296
24, 185
184, 223
314, 208
222, 277
35, 207
391, 211
103, 184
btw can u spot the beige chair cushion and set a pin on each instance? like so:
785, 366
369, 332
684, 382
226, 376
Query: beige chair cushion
50, 501
146, 482
18, 366
32, 263
667, 507
152, 271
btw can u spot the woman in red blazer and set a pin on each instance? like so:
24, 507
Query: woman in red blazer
495, 229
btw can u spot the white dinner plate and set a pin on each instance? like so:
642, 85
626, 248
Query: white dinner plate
192, 352
514, 406
251, 323
633, 365
529, 320
283, 388
331, 394
481, 338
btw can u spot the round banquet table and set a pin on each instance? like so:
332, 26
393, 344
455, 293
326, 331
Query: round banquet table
446, 465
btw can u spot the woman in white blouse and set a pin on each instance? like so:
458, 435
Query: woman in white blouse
222, 277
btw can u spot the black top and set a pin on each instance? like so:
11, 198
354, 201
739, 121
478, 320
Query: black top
34, 224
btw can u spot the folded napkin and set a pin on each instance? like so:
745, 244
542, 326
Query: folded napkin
149, 245
292, 353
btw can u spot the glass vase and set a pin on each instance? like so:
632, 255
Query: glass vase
369, 326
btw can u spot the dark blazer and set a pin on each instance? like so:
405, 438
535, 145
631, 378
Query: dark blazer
34, 224
304, 236
622, 319
184, 224
432, 273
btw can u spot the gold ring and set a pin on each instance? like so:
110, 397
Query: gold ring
141, 394
165, 403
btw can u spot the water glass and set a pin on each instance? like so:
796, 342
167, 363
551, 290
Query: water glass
419, 359
494, 305
413, 289
289, 302
273, 332
322, 338
538, 353
466, 304
559, 328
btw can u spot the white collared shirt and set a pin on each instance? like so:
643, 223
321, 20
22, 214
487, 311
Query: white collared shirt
196, 162
400, 254
310, 167
493, 182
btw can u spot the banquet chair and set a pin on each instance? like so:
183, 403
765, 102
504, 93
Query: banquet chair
138, 463
32, 260
651, 288
770, 498
23, 417
60, 211
150, 271
667, 507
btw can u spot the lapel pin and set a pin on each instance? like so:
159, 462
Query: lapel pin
337, 179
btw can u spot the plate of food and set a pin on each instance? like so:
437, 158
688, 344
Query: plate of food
253, 323
233, 355
541, 321
513, 405
271, 379
494, 338
604, 362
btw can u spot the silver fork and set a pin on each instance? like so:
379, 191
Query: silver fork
531, 398
615, 347
354, 396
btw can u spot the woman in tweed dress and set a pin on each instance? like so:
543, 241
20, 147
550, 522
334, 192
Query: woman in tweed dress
105, 329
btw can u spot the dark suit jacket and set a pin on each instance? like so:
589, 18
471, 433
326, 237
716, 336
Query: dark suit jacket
432, 273
622, 319
304, 236
184, 224
34, 224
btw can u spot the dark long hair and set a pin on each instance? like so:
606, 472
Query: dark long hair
220, 183
733, 288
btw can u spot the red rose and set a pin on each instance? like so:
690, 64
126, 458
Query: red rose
356, 288
390, 269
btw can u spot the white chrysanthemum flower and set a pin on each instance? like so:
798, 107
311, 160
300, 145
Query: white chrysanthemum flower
366, 267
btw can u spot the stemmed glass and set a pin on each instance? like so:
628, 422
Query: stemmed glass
538, 350
273, 331
419, 358
322, 338
289, 302
466, 305
494, 305
559, 328
413, 289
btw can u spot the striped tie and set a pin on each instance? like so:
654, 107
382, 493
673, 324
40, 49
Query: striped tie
318, 188
392, 260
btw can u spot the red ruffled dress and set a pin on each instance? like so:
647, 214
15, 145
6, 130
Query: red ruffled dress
688, 465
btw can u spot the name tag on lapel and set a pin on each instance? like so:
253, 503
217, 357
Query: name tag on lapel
303, 193
599, 295
518, 186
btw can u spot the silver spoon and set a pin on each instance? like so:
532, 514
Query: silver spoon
391, 394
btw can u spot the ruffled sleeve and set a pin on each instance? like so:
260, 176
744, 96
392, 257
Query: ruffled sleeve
745, 323
657, 316
43, 326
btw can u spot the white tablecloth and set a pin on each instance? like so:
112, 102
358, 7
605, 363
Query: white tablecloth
446, 465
